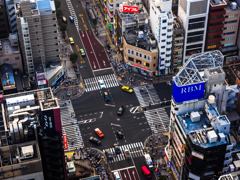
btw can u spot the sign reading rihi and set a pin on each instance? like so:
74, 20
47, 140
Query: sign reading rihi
188, 92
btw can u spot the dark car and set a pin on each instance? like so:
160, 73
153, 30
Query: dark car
117, 148
106, 96
95, 140
119, 134
120, 110
109, 154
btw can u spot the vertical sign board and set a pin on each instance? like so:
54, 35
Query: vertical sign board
57, 120
188, 92
65, 141
48, 122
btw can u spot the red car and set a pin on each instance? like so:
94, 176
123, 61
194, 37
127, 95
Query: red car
99, 132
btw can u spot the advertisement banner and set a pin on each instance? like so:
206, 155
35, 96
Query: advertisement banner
42, 82
48, 121
131, 9
40, 76
65, 141
188, 92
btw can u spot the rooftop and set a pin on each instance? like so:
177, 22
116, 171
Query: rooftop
189, 73
204, 127
229, 7
141, 39
43, 4
7, 49
233, 73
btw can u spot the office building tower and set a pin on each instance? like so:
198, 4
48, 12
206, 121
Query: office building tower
3, 20
194, 15
161, 20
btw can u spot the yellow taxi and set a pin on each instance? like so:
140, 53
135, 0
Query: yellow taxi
71, 40
99, 132
127, 89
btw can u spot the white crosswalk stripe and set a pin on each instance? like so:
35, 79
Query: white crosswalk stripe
158, 120
144, 98
70, 126
92, 84
135, 149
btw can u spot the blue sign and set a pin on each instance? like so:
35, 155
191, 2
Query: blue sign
58, 81
188, 92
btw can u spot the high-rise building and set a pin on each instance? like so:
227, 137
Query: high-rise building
223, 28
194, 15
3, 20
37, 31
10, 6
178, 44
161, 20
200, 145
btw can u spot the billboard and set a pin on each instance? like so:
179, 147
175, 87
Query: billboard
65, 141
188, 92
48, 122
130, 9
40, 76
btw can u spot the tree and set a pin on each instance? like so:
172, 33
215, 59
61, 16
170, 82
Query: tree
59, 13
57, 3
73, 57
63, 27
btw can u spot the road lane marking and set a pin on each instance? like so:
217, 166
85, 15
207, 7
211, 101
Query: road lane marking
85, 27
115, 125
110, 105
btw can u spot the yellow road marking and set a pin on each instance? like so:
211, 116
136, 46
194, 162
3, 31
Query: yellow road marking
82, 20
85, 27
143, 83
80, 56
167, 133
69, 153
81, 85
155, 82
80, 15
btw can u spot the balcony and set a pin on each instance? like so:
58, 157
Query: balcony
216, 39
215, 33
217, 20
211, 27
217, 13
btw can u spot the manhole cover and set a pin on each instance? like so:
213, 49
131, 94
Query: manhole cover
131, 105
118, 119
127, 105
134, 117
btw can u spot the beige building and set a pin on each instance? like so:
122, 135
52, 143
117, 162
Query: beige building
10, 52
140, 53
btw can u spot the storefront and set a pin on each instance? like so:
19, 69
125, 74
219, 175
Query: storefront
138, 68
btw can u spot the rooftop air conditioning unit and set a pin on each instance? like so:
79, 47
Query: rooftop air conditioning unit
233, 5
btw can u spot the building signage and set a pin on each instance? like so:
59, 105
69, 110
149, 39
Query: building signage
14, 169
175, 170
188, 92
56, 83
197, 155
65, 141
42, 82
179, 144
40, 76
131, 9
48, 121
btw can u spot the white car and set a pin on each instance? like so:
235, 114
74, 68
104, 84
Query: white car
116, 175
102, 85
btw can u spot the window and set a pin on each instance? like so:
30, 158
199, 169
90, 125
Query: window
169, 36
162, 53
132, 52
154, 58
163, 40
162, 46
228, 44
14, 64
229, 22
148, 57
164, 34
54, 18
36, 32
168, 49
35, 25
136, 53
36, 19
5, 59
117, 5
230, 27
130, 59
129, 51
145, 56
164, 28
234, 15
164, 21
154, 65
16, 58
147, 64
140, 55
138, 61
231, 38
228, 33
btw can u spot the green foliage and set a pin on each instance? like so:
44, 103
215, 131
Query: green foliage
57, 3
59, 13
63, 27
73, 57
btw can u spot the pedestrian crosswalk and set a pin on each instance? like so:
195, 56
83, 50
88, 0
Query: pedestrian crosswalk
135, 149
158, 120
92, 84
70, 126
148, 95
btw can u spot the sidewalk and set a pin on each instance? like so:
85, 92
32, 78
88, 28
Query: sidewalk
73, 80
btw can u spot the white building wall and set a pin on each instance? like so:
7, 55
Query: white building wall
161, 20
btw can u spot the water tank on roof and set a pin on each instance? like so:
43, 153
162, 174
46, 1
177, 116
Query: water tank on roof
233, 5
211, 99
